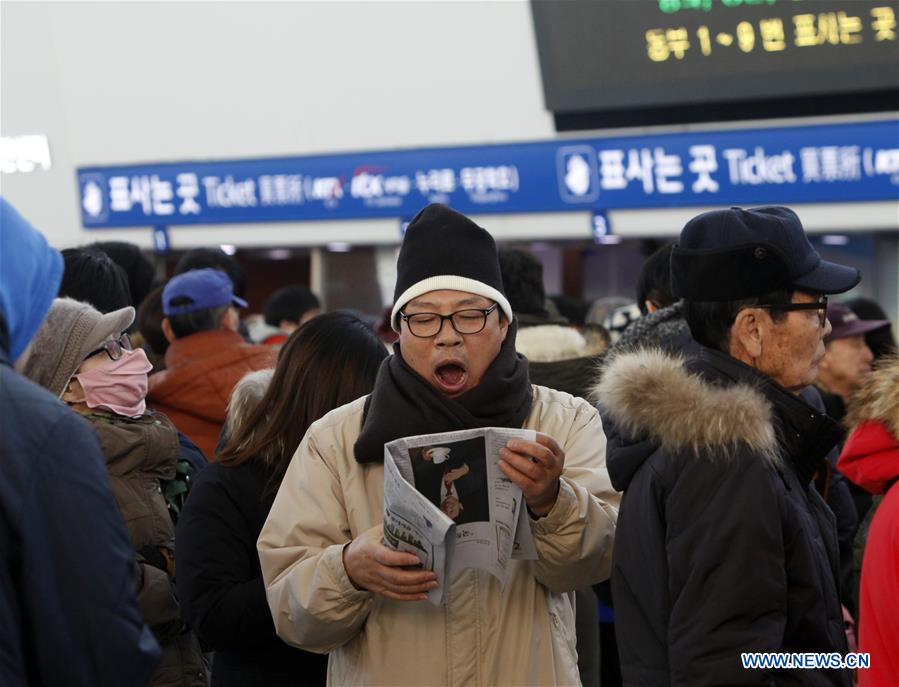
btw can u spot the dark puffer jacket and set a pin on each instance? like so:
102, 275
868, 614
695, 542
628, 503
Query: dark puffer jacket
139, 453
559, 356
723, 546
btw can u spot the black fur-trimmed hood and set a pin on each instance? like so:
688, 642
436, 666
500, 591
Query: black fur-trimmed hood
650, 395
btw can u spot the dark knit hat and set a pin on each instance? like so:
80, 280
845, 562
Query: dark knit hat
443, 249
730, 255
71, 332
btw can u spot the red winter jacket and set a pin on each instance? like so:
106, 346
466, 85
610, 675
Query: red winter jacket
201, 371
870, 458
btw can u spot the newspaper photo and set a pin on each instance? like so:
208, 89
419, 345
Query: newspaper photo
447, 501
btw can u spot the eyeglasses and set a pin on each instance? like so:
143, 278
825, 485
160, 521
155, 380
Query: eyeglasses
424, 325
820, 306
114, 347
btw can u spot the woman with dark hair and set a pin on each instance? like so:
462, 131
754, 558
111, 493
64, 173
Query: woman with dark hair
149, 328
329, 361
93, 277
139, 269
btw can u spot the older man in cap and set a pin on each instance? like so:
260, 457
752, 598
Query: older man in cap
333, 586
206, 356
845, 366
847, 358
724, 546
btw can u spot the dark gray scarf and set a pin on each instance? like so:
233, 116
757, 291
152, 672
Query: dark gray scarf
403, 404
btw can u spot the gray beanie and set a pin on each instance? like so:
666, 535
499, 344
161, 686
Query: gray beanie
71, 332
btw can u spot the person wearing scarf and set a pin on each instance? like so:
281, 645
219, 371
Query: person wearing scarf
333, 586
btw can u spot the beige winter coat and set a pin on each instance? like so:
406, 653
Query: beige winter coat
484, 635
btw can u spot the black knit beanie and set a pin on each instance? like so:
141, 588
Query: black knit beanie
443, 249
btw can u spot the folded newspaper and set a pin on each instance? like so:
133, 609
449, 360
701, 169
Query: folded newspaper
447, 501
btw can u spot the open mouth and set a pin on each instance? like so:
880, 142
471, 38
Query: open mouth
451, 377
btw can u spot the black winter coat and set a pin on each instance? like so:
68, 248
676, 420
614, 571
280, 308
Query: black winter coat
220, 582
68, 615
722, 545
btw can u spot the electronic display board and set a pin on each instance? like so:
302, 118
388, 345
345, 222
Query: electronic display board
629, 55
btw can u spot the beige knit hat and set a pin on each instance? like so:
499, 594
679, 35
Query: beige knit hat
71, 332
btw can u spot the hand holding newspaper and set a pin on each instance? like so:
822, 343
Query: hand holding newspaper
446, 500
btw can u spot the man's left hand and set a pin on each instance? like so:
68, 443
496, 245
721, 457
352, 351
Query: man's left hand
535, 467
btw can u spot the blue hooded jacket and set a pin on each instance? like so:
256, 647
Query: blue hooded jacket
68, 613
30, 272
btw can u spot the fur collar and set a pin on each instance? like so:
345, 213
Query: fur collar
878, 397
549, 343
649, 393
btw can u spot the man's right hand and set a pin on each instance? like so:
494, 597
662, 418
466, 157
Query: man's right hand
375, 568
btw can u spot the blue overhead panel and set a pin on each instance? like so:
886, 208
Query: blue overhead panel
801, 164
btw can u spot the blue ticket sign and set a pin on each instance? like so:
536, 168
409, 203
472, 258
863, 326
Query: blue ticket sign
800, 164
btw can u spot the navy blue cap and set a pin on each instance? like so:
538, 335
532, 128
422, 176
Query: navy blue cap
729, 255
199, 290
845, 323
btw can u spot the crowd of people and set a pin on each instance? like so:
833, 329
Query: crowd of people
190, 497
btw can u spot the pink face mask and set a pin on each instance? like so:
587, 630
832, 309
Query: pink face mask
118, 385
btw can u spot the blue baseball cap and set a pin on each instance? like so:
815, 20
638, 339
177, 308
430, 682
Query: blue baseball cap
729, 255
198, 290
